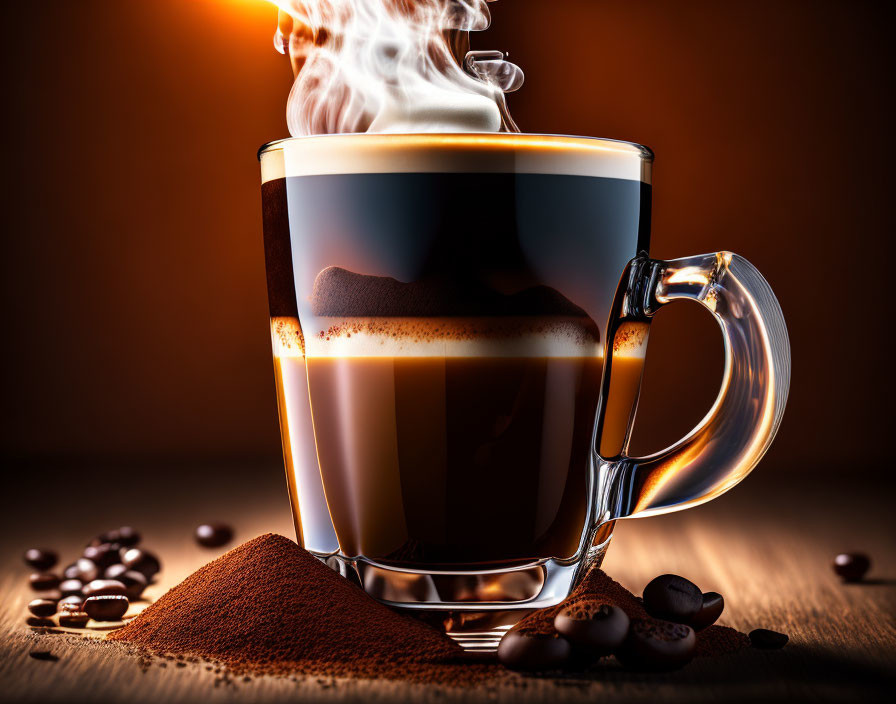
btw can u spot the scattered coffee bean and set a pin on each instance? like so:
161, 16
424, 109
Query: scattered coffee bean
53, 595
657, 645
852, 566
134, 583
765, 639
42, 608
104, 587
214, 535
128, 537
87, 569
106, 608
71, 603
599, 628
713, 606
114, 571
103, 556
71, 572
43, 581
43, 655
69, 587
41, 560
522, 650
672, 598
73, 619
37, 622
141, 561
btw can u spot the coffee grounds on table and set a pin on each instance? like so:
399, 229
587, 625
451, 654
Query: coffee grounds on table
270, 607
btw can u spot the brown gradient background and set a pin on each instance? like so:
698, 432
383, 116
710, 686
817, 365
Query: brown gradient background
134, 293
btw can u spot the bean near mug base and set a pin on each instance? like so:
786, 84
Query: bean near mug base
474, 608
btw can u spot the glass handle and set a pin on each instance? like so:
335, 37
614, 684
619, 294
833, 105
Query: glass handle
740, 426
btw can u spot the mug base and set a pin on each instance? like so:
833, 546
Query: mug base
474, 608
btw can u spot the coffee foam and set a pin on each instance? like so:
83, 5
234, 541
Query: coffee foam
524, 336
454, 153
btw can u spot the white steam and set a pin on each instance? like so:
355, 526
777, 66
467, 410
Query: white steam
392, 66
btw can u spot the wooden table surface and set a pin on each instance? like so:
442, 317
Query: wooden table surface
766, 546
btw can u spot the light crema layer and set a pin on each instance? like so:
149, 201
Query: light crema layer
455, 153
548, 336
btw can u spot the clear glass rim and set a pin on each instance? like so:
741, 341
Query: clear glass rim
530, 139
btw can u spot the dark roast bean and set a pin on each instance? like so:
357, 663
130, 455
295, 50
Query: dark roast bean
42, 608
51, 595
106, 607
43, 655
114, 571
214, 535
103, 555
37, 622
43, 581
765, 639
128, 537
141, 561
73, 619
87, 569
41, 560
852, 566
657, 645
134, 583
599, 628
71, 603
526, 650
104, 587
672, 598
71, 587
713, 606
71, 572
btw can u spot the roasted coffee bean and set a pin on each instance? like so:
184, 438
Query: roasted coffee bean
53, 595
41, 560
672, 598
43, 655
38, 622
73, 619
71, 603
88, 571
71, 587
657, 645
141, 561
106, 607
104, 555
134, 583
597, 627
104, 587
71, 572
713, 606
43, 581
114, 571
42, 608
526, 650
765, 639
128, 537
852, 566
214, 535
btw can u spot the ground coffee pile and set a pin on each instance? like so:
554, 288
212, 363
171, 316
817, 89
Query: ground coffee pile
269, 607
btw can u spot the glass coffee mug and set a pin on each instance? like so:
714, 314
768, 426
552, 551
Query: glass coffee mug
459, 326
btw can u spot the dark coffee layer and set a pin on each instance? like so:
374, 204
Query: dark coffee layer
338, 292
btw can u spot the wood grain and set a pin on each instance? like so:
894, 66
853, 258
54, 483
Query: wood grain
766, 547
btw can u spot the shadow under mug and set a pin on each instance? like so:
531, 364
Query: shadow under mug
459, 325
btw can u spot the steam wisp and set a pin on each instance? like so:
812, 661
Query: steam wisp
392, 66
